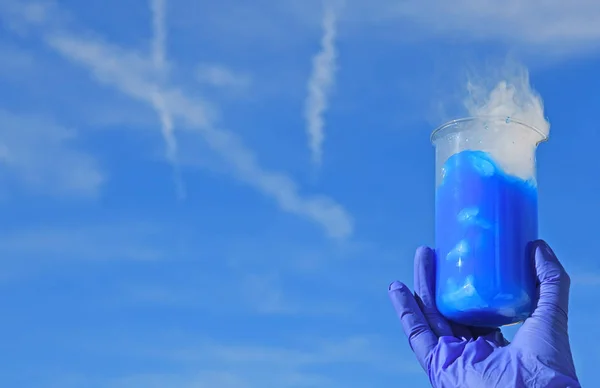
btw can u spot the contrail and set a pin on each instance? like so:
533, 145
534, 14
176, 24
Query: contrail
125, 71
319, 85
158, 101
159, 39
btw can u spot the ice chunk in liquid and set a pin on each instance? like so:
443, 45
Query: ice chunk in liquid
470, 216
464, 297
459, 251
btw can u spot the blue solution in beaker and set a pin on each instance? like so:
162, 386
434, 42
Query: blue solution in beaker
485, 221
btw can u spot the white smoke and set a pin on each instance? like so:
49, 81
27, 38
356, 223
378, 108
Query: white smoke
511, 97
502, 107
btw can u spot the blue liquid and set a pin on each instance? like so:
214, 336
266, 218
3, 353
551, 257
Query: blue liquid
485, 221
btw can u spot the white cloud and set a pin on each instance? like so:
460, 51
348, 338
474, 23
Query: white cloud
47, 243
135, 76
221, 76
221, 379
159, 39
263, 295
158, 100
130, 73
590, 279
14, 60
40, 156
319, 85
22, 17
554, 24
201, 364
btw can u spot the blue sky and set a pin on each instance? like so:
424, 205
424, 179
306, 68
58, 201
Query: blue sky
166, 222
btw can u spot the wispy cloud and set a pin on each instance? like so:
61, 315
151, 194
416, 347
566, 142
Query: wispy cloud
158, 100
159, 40
319, 86
14, 60
114, 241
132, 75
590, 279
222, 77
262, 295
39, 155
265, 293
210, 364
44, 249
221, 379
524, 23
547, 25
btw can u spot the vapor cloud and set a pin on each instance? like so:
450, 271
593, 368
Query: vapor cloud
320, 83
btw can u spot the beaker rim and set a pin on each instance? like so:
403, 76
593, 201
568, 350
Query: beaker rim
439, 131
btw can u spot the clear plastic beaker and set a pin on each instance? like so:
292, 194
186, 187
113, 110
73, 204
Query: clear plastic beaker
485, 219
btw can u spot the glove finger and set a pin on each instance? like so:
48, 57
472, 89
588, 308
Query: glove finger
554, 284
546, 328
421, 338
424, 280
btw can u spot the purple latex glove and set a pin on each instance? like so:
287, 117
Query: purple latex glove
467, 357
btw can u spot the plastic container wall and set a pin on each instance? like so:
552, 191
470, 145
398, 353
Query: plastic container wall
485, 219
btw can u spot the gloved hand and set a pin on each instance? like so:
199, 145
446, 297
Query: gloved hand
467, 357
